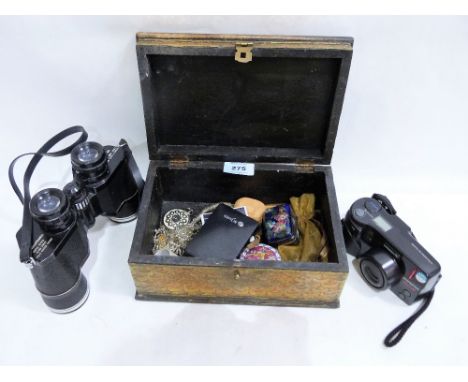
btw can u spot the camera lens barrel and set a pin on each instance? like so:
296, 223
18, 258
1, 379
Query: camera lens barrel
51, 209
379, 269
89, 162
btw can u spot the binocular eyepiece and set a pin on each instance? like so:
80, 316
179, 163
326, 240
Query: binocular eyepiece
106, 181
51, 209
89, 162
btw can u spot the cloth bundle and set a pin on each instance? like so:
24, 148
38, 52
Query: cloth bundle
313, 243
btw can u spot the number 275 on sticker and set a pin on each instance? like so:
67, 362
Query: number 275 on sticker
239, 168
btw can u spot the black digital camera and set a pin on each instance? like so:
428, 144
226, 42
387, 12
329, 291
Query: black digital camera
388, 254
53, 239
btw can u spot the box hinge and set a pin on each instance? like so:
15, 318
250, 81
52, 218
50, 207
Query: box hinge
243, 52
179, 163
306, 166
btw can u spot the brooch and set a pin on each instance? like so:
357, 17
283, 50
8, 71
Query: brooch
176, 218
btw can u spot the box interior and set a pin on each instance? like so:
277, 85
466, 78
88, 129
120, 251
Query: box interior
196, 188
275, 102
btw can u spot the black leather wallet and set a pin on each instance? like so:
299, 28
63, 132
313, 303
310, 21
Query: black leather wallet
223, 236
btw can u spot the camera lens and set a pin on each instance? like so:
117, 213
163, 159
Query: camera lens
379, 269
372, 274
51, 209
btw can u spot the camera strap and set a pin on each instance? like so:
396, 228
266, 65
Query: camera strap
397, 334
26, 230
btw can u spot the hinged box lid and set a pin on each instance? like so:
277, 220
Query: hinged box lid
242, 98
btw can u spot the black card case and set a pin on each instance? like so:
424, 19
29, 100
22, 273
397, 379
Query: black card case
223, 236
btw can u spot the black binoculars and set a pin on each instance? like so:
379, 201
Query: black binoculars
53, 239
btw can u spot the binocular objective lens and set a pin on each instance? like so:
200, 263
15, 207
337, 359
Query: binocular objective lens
47, 203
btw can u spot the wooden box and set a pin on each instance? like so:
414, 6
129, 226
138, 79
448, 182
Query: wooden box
273, 101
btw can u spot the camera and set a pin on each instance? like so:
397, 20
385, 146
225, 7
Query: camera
53, 239
387, 252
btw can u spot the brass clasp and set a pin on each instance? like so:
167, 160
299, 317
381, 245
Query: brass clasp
243, 52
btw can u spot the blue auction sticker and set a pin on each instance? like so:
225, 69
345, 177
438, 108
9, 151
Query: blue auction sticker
421, 277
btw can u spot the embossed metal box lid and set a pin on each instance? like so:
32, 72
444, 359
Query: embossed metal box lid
242, 98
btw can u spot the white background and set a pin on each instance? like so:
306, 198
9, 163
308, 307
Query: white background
402, 133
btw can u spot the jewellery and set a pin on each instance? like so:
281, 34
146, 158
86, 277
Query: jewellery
176, 218
254, 240
164, 252
261, 252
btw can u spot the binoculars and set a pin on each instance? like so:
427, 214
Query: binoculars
107, 182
